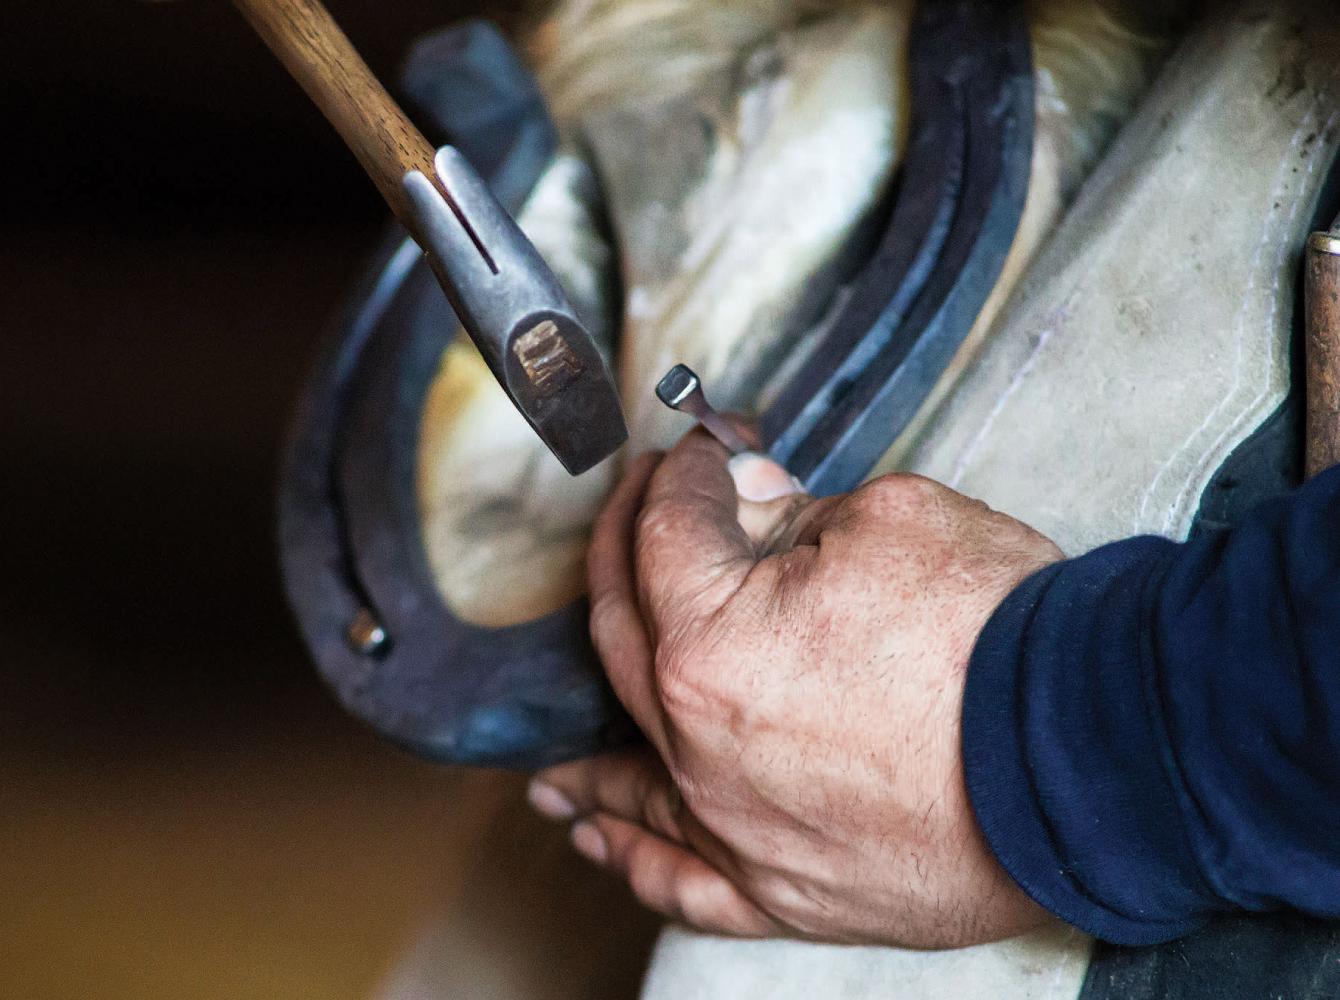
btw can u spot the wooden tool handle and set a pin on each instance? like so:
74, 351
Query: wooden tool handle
1322, 302
320, 57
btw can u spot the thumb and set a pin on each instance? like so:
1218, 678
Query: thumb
692, 549
769, 497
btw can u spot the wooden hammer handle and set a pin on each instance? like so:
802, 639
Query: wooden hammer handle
1322, 304
314, 50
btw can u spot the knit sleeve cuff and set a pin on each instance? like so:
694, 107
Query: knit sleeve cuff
1065, 755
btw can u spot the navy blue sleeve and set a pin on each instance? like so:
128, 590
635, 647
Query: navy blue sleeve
1151, 732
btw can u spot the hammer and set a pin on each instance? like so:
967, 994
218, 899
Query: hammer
499, 286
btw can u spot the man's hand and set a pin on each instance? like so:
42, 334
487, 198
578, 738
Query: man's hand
798, 668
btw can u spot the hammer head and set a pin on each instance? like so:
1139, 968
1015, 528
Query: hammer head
515, 311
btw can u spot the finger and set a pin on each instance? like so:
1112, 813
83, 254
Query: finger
632, 785
670, 879
759, 479
690, 551
769, 498
617, 628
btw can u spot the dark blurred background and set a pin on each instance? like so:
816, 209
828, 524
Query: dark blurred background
183, 811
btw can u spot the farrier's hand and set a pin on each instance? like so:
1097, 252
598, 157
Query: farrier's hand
798, 668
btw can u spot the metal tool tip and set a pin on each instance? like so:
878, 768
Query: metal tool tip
365, 634
678, 384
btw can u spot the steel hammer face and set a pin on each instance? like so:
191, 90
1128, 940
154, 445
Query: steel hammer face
511, 304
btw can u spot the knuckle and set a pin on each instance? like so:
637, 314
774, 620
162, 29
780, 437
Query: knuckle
657, 520
897, 491
605, 615
707, 899
678, 679
646, 880
875, 500
639, 881
779, 896
895, 499
654, 540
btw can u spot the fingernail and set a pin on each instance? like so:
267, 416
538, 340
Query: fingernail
760, 479
548, 801
590, 842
